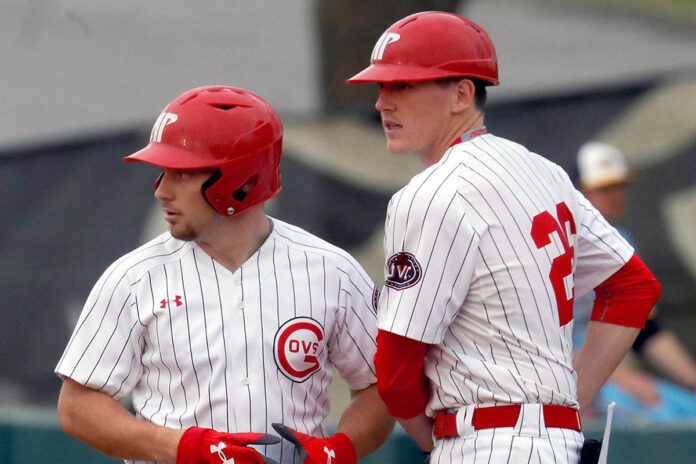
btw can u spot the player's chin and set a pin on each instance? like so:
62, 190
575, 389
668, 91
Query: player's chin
183, 232
397, 147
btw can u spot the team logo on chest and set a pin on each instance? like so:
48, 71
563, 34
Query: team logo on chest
404, 271
297, 346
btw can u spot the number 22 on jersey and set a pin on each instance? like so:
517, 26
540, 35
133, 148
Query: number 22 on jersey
544, 225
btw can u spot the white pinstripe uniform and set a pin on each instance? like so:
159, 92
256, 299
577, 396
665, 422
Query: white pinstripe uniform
198, 345
466, 275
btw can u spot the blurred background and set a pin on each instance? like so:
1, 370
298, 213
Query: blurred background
82, 83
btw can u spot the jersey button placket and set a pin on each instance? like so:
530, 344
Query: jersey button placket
234, 335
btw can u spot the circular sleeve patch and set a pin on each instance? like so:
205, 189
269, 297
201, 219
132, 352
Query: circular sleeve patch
404, 271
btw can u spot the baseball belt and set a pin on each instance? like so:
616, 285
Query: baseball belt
506, 416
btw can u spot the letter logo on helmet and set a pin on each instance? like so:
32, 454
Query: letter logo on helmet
431, 45
163, 121
226, 128
381, 45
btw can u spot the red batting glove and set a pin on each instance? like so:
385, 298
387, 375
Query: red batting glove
336, 449
207, 446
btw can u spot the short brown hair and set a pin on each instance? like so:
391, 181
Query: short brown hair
480, 92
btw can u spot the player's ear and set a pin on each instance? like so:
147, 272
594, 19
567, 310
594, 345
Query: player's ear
464, 96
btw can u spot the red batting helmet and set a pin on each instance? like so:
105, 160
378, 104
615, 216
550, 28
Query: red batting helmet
431, 45
226, 128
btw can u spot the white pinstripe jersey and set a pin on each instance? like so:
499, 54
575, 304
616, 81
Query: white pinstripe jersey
196, 344
484, 249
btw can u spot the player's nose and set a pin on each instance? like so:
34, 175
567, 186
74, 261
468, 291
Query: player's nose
162, 190
384, 101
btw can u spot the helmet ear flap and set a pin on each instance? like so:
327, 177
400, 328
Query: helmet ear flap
241, 193
209, 183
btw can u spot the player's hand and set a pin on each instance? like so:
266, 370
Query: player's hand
336, 449
207, 446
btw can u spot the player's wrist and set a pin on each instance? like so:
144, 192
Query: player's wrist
342, 448
167, 440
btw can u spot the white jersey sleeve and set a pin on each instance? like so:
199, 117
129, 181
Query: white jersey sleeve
430, 251
600, 248
103, 352
353, 346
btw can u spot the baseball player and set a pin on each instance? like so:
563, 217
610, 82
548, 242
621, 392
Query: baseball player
229, 322
485, 251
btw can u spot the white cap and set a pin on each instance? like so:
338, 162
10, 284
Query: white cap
601, 165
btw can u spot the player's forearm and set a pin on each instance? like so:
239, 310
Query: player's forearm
604, 347
420, 428
105, 425
366, 421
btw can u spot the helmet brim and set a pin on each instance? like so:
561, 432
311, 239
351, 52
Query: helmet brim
404, 73
167, 156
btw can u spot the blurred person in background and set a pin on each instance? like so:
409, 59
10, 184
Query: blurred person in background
602, 175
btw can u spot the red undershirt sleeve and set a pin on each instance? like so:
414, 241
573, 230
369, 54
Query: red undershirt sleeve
627, 297
401, 381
